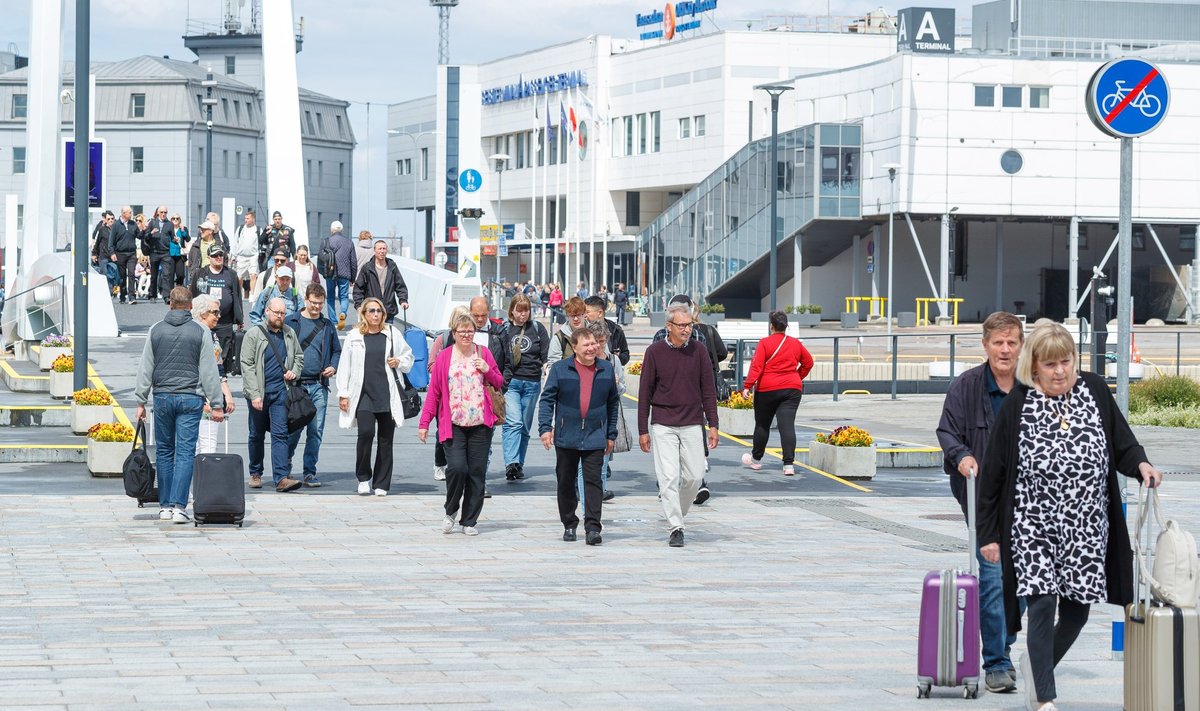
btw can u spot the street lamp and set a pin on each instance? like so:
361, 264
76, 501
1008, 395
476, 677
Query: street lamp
413, 173
774, 90
500, 159
891, 169
209, 102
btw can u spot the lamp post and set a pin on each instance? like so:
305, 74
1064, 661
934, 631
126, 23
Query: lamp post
500, 159
774, 90
209, 102
891, 169
413, 173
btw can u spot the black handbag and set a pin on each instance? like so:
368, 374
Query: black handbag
138, 470
300, 407
410, 399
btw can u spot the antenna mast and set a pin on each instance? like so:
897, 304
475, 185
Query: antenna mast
443, 8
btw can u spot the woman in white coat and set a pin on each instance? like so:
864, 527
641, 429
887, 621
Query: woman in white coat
372, 357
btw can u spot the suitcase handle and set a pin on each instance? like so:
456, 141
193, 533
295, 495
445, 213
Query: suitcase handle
1147, 499
972, 540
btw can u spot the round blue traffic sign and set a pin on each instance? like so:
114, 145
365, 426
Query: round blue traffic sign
1127, 98
470, 180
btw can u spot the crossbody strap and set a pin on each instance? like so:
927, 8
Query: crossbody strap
278, 357
768, 360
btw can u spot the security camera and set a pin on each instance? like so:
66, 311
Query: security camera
209, 125
66, 96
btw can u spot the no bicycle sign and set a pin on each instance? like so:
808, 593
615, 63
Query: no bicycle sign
1127, 98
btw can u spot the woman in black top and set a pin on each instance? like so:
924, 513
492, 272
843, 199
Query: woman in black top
525, 345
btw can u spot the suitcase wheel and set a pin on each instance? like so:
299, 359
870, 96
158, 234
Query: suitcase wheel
923, 690
971, 691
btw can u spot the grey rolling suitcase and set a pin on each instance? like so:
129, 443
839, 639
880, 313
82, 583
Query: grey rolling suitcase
218, 487
1162, 642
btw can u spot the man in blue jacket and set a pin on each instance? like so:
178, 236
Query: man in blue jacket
581, 398
322, 352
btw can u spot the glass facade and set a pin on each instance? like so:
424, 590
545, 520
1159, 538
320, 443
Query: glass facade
721, 226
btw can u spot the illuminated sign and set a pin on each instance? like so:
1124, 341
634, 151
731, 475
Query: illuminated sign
523, 88
674, 18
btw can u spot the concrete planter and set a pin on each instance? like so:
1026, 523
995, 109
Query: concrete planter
759, 316
84, 416
107, 458
62, 385
712, 319
805, 320
633, 383
849, 319
658, 319
46, 356
845, 462
739, 423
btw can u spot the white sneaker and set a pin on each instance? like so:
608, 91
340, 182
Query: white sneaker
750, 462
181, 516
470, 531
364, 488
439, 473
789, 470
165, 513
381, 492
1027, 677
449, 525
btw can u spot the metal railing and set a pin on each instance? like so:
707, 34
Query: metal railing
882, 348
46, 327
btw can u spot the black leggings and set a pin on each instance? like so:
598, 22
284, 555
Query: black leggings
1048, 642
778, 405
380, 475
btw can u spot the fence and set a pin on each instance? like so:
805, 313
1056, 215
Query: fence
41, 325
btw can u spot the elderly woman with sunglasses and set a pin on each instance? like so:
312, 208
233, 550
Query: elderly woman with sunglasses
368, 392
207, 311
458, 397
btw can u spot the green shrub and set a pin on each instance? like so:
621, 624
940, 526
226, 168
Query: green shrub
1164, 392
1166, 417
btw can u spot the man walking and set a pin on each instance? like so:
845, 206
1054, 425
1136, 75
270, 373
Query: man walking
100, 247
970, 408
246, 252
159, 243
219, 282
322, 352
179, 366
381, 279
122, 240
620, 301
282, 289
271, 358
280, 235
343, 257
677, 395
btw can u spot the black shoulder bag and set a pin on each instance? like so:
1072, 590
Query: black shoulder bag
410, 399
300, 407
138, 471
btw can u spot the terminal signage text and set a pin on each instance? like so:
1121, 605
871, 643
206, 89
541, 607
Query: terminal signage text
671, 18
925, 30
523, 88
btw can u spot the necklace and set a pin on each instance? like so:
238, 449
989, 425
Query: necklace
1063, 410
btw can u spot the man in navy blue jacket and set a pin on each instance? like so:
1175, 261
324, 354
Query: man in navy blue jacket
577, 414
322, 353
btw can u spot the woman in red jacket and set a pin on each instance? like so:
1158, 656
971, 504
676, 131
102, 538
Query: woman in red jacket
777, 377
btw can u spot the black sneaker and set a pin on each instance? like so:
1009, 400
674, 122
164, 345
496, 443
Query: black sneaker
510, 472
676, 540
701, 496
609, 494
520, 472
569, 535
593, 538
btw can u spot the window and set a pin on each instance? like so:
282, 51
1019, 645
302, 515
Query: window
628, 136
655, 131
1039, 97
685, 127
341, 175
137, 106
424, 164
320, 172
641, 134
341, 131
200, 103
18, 160
320, 124
230, 65
224, 164
1187, 238
985, 95
618, 138
308, 121
237, 165
250, 112
237, 111
1010, 97
137, 159
250, 164
225, 109
1011, 162
200, 161
136, 209
403, 167
520, 150
308, 171
698, 126
20, 217
633, 209
20, 106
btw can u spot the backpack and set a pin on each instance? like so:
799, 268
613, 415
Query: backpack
1175, 579
327, 261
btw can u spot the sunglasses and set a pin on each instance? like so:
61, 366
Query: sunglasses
214, 312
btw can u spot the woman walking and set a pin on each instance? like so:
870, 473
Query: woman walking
525, 345
207, 311
1050, 506
459, 399
368, 393
776, 376
577, 415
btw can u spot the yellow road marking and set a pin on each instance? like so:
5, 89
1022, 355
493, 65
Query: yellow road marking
834, 477
93, 378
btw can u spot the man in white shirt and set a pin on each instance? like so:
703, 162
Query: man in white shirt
245, 261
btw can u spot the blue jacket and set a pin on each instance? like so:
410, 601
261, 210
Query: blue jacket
558, 409
323, 352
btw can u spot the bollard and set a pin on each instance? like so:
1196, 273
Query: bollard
835, 368
952, 357
895, 367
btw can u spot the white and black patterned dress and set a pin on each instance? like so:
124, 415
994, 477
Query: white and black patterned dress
1060, 522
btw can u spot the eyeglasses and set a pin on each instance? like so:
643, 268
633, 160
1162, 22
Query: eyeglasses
213, 312
464, 334
277, 312
683, 326
374, 311
318, 304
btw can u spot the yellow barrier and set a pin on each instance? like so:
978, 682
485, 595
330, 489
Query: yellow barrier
852, 303
925, 302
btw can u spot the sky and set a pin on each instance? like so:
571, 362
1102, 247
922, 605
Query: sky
377, 52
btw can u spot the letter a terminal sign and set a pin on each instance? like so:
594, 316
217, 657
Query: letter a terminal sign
1127, 98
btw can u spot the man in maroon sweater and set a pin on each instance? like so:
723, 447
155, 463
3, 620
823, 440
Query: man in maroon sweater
678, 394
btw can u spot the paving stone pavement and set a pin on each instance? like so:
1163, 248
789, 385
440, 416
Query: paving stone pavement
342, 601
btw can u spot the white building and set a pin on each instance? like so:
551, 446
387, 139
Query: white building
1001, 177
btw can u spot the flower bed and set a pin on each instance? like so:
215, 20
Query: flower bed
108, 446
847, 452
90, 407
736, 415
50, 349
62, 376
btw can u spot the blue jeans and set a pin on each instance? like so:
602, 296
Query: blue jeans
271, 418
176, 428
315, 431
992, 630
520, 401
343, 296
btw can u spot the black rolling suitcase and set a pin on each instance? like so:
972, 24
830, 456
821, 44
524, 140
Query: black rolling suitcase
219, 487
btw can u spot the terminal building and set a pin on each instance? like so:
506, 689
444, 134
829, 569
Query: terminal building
967, 148
149, 112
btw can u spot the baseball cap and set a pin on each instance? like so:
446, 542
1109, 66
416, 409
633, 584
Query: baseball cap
206, 225
283, 272
277, 213
216, 251
681, 299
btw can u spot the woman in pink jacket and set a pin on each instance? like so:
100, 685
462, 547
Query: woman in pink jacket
458, 397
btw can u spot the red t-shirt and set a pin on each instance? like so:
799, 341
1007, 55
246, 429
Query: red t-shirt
786, 370
587, 374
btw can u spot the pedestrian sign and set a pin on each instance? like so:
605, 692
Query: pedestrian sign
1127, 98
470, 180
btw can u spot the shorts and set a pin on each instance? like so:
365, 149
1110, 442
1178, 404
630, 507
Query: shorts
246, 267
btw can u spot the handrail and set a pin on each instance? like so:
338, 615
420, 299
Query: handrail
4, 325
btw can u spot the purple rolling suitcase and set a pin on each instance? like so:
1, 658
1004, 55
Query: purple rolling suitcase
948, 651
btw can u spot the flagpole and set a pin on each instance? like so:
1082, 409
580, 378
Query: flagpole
573, 171
545, 192
533, 203
558, 210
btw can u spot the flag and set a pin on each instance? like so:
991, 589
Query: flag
585, 114
537, 126
562, 116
